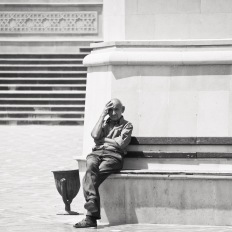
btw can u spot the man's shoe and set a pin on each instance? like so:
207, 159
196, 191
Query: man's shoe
85, 224
91, 206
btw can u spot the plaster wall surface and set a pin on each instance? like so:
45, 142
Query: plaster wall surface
167, 19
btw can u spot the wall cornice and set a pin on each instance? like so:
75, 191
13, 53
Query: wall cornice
163, 43
160, 53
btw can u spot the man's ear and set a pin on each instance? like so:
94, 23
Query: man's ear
123, 109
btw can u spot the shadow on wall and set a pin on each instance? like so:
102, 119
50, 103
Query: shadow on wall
120, 72
126, 71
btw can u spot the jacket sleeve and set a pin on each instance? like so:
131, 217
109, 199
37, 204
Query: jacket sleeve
125, 137
98, 141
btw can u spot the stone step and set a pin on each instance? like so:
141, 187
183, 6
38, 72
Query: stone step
44, 67
31, 107
42, 78
40, 112
40, 75
42, 119
44, 101
42, 81
60, 74
43, 85
46, 89
44, 56
46, 98
39, 87
41, 61
41, 72
47, 115
57, 93
48, 122
34, 88
39, 95
41, 65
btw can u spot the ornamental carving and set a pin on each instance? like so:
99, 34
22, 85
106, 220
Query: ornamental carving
81, 22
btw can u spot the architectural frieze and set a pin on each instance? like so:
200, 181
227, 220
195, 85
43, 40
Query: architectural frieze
81, 22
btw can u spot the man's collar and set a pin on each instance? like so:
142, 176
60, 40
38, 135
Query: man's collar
118, 122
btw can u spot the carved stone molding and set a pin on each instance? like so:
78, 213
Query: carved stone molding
80, 22
120, 53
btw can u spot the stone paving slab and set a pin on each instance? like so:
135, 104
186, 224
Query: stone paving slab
163, 228
28, 196
29, 201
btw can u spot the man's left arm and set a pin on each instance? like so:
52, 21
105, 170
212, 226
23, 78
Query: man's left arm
123, 140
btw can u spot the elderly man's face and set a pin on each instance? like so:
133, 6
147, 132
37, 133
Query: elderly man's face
116, 111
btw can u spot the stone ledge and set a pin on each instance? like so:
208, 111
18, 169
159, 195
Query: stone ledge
81, 160
182, 52
170, 155
163, 140
181, 141
178, 155
159, 58
214, 166
164, 43
148, 174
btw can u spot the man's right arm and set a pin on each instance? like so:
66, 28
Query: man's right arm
97, 130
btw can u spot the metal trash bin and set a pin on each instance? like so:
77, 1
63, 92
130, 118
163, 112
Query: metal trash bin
68, 185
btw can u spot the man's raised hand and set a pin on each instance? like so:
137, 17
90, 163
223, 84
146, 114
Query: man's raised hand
106, 108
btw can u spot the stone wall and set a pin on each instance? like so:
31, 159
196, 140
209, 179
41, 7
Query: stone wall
39, 26
167, 19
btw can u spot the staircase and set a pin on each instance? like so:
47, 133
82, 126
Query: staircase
44, 89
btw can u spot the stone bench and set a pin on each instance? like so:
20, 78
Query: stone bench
170, 154
171, 181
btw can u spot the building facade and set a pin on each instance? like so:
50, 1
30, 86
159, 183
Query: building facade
42, 45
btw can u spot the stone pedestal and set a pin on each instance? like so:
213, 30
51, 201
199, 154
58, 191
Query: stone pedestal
167, 199
179, 88
170, 62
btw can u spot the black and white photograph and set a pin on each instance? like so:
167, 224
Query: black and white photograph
116, 115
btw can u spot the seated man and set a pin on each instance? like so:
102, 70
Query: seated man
111, 137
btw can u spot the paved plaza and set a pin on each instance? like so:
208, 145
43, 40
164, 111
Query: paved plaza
29, 201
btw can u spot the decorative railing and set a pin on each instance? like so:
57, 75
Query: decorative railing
80, 22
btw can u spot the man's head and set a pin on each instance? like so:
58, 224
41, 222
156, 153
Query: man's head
115, 112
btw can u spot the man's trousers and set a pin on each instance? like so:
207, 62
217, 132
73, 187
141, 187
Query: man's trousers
99, 165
